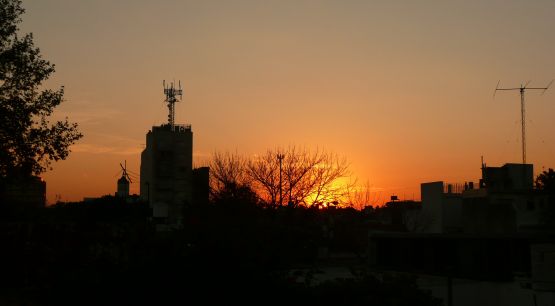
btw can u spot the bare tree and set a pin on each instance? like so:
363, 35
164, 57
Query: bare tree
227, 170
264, 172
325, 176
298, 168
359, 196
300, 176
307, 177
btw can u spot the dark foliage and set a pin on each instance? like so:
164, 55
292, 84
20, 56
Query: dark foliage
29, 141
546, 181
107, 252
235, 195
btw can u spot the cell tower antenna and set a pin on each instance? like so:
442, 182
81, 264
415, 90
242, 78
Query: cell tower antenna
172, 93
522, 89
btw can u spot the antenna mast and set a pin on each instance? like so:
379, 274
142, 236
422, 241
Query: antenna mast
522, 89
172, 93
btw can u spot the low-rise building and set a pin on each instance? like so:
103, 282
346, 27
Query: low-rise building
504, 201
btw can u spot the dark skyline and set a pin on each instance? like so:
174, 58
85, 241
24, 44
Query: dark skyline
322, 153
402, 89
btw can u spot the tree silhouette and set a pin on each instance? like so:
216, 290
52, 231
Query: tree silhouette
324, 176
311, 176
264, 172
30, 142
227, 171
546, 180
308, 177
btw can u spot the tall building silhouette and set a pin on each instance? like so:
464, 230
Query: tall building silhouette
166, 165
166, 171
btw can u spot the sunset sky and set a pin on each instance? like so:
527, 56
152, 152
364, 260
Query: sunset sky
402, 89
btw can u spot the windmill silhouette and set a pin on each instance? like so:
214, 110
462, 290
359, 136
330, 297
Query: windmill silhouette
123, 182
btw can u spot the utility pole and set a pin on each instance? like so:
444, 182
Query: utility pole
280, 157
522, 89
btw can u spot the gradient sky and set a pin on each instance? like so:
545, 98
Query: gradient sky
403, 89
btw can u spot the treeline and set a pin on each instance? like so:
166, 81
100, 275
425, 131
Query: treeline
289, 176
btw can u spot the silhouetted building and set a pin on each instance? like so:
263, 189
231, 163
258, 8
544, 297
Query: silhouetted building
481, 240
441, 207
399, 215
201, 185
166, 172
123, 187
543, 267
470, 269
23, 193
505, 202
509, 177
168, 181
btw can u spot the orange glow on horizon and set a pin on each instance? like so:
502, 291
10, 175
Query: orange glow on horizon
406, 105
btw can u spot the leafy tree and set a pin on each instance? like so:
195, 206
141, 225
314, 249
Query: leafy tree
236, 194
29, 141
546, 180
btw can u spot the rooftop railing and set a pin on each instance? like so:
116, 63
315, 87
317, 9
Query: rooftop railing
182, 127
457, 188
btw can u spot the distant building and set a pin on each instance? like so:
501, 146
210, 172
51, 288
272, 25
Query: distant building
441, 207
398, 215
484, 243
508, 178
23, 193
201, 185
166, 172
168, 181
504, 202
470, 269
123, 187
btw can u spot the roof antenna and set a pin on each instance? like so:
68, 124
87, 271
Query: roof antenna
172, 93
522, 89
